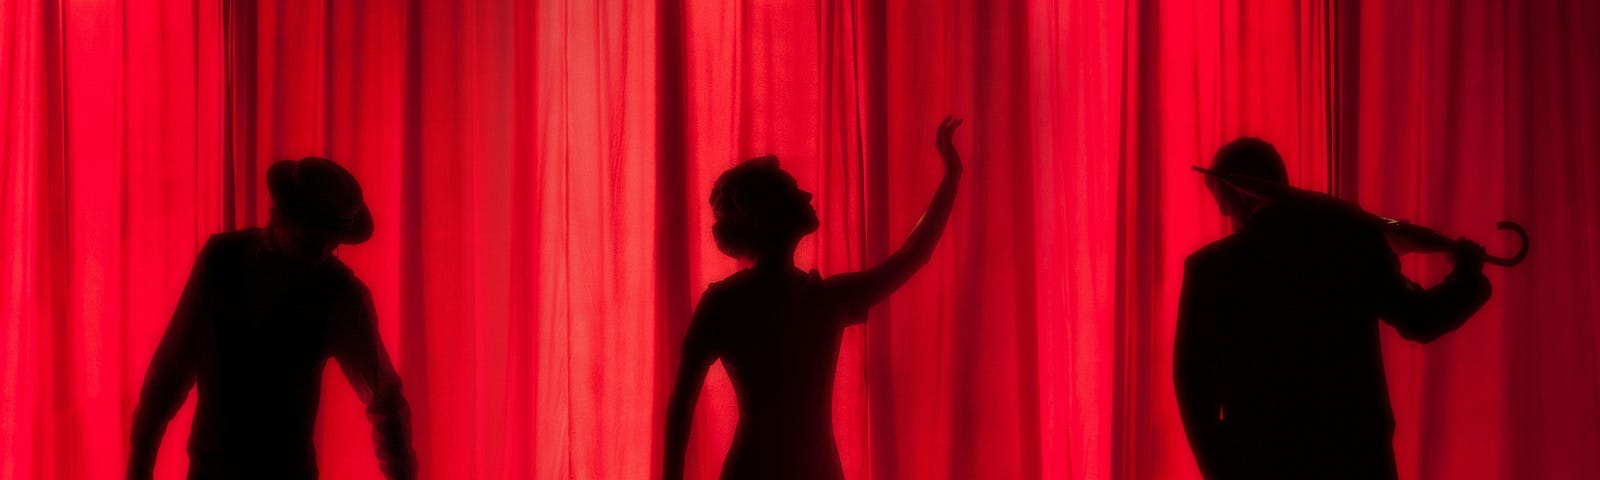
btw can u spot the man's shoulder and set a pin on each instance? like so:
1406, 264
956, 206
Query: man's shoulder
242, 236
345, 278
230, 244
1214, 253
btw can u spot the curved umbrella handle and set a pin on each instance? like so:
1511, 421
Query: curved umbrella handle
1522, 252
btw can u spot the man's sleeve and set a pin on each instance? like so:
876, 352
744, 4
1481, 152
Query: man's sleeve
1418, 314
361, 355
1197, 372
171, 373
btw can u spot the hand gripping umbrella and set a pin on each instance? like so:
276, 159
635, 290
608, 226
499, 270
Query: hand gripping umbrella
1405, 237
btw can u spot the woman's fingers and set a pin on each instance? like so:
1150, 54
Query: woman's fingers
943, 133
947, 131
946, 143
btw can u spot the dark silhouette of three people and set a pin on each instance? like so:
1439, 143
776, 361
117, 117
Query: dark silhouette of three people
776, 328
1278, 368
263, 311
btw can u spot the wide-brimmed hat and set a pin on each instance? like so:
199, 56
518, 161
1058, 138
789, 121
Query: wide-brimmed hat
319, 194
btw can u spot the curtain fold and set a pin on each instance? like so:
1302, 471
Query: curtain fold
539, 171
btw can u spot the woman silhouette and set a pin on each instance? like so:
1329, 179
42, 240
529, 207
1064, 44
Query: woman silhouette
777, 328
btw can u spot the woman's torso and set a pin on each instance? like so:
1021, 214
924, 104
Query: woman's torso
779, 342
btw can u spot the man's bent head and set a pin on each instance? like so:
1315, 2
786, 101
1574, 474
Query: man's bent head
1247, 156
317, 205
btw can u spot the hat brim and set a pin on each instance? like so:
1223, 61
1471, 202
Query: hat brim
359, 230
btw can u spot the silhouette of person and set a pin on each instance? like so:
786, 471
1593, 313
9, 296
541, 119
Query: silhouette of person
1277, 363
777, 328
261, 314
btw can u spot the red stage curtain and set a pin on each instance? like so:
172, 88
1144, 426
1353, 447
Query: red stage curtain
110, 159
539, 170
1457, 115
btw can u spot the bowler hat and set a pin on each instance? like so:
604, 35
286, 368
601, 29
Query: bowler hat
318, 194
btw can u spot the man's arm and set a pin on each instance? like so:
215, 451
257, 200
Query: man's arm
1423, 315
857, 291
171, 373
1196, 373
359, 350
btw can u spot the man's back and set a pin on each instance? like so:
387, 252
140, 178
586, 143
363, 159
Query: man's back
1279, 366
253, 334
259, 385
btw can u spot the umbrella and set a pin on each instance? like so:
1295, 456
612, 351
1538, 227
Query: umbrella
1404, 236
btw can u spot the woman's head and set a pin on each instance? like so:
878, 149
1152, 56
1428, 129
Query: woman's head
759, 209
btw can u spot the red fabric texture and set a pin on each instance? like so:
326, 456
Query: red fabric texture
538, 172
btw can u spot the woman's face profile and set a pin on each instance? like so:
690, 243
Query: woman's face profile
806, 212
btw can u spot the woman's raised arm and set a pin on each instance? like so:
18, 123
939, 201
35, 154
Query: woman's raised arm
859, 290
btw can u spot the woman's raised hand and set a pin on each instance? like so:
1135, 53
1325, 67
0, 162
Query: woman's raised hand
946, 144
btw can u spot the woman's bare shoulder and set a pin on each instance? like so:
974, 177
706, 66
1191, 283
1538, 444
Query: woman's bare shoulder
722, 291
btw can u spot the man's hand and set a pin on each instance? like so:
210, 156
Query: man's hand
1467, 256
946, 144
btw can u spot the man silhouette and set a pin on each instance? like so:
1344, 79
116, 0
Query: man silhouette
1278, 368
262, 312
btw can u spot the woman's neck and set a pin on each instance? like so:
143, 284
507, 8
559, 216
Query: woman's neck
780, 261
